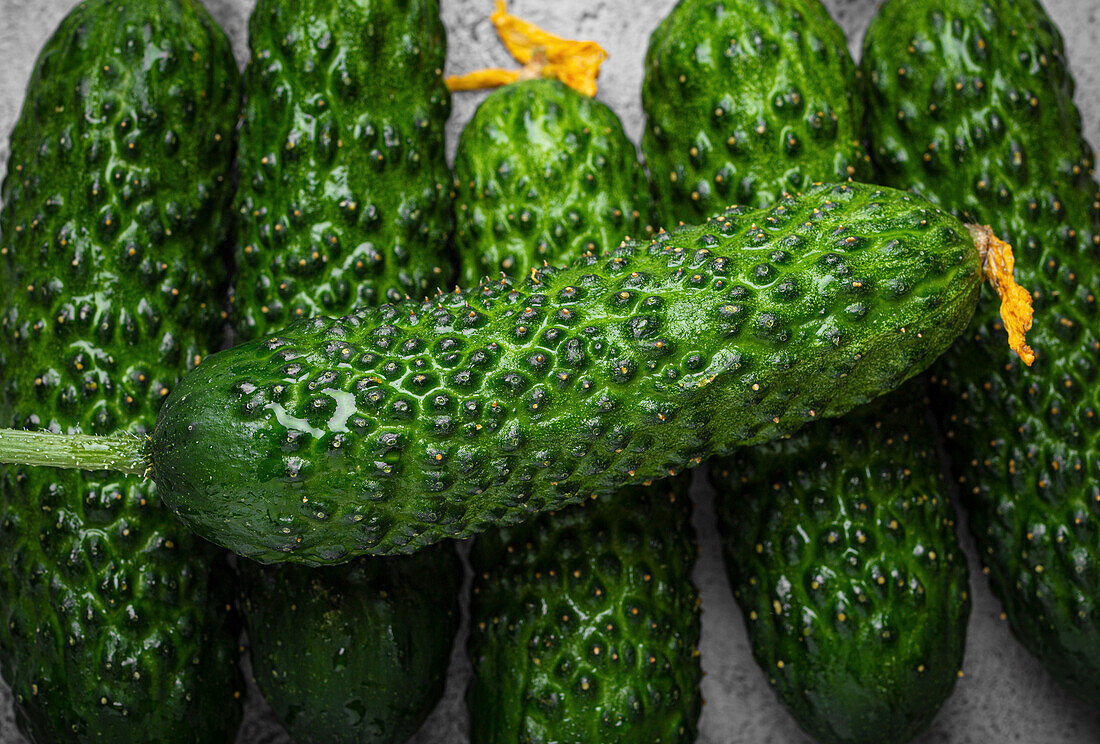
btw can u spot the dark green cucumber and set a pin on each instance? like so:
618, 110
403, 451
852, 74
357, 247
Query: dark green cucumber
585, 624
972, 105
840, 545
614, 568
345, 193
114, 620
400, 425
360, 653
357, 652
882, 673
544, 173
746, 99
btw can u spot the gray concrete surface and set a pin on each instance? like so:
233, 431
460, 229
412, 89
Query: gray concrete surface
1005, 695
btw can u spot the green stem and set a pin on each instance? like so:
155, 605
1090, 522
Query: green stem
126, 454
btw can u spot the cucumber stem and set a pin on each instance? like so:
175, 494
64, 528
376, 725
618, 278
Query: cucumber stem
125, 454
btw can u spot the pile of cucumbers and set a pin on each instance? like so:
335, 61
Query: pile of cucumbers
286, 355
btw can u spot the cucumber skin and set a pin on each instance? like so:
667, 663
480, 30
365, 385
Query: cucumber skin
656, 338
114, 619
858, 505
1025, 442
390, 623
623, 561
544, 173
345, 196
741, 124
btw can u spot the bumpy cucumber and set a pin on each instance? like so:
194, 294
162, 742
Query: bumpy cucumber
746, 99
585, 624
357, 652
544, 173
113, 620
345, 191
400, 425
840, 545
360, 653
808, 524
972, 105
592, 608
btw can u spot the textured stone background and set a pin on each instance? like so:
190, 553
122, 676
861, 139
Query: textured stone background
1004, 697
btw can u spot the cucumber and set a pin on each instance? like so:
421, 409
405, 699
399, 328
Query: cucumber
397, 426
401, 425
545, 174
971, 104
345, 195
592, 608
747, 99
354, 653
114, 619
842, 681
585, 624
840, 546
357, 653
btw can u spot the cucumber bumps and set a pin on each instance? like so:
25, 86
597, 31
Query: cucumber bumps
112, 623
345, 192
400, 425
545, 174
747, 99
972, 105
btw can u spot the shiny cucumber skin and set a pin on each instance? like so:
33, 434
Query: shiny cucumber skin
972, 105
397, 426
345, 196
841, 549
544, 173
585, 624
746, 99
623, 664
114, 619
353, 653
